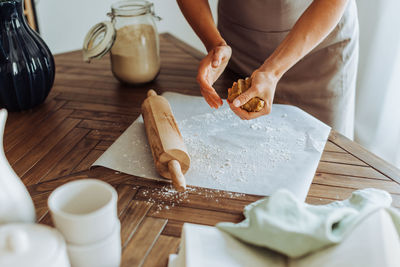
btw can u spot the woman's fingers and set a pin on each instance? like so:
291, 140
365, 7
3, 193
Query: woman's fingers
229, 92
219, 54
245, 115
209, 99
210, 69
263, 86
208, 91
238, 111
217, 58
244, 97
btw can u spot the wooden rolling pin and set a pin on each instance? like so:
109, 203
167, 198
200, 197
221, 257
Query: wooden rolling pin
169, 151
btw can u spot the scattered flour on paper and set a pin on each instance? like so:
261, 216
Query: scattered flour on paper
211, 157
237, 147
256, 157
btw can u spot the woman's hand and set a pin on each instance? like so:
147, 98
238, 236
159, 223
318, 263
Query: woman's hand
263, 85
210, 68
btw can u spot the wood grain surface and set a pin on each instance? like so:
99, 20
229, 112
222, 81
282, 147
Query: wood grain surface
86, 112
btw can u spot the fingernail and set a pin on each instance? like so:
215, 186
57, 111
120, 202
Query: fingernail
236, 103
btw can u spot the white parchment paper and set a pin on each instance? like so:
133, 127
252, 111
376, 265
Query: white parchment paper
281, 150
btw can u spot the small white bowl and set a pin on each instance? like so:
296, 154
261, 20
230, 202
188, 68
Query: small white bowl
105, 253
84, 211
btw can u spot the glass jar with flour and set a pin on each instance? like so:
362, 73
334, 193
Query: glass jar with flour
132, 40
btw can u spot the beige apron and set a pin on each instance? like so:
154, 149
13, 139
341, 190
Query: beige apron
323, 82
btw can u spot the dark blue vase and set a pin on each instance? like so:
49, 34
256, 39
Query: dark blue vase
26, 64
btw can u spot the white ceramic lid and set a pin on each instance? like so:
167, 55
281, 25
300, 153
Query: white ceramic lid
29, 245
98, 40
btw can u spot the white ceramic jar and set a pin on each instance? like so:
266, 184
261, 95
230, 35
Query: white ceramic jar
33, 245
132, 40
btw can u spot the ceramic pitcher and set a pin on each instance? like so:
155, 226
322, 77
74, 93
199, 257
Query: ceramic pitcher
26, 64
15, 202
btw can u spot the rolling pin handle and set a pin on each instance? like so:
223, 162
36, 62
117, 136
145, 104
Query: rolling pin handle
151, 92
178, 180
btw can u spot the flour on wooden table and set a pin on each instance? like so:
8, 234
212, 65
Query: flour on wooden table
166, 197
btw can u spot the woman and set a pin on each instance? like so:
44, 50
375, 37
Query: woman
298, 52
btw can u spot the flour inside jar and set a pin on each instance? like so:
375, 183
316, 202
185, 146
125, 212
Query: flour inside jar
135, 55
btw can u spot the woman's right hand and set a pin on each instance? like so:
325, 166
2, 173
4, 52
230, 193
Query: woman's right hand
210, 68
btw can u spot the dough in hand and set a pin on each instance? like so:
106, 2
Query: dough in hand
254, 105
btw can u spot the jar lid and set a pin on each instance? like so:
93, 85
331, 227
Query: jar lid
131, 8
29, 245
98, 41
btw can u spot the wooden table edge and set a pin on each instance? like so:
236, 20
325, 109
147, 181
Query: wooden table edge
365, 155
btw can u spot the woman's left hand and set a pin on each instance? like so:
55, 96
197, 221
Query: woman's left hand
263, 85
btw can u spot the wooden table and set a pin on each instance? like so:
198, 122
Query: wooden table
88, 109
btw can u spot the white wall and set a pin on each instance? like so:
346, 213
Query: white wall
378, 84
64, 24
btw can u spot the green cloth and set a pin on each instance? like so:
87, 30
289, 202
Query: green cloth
294, 228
